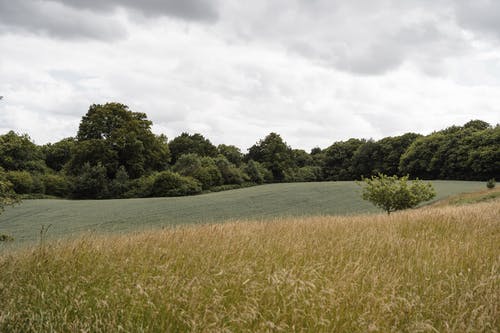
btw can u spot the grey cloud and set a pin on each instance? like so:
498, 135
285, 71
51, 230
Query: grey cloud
481, 17
357, 36
93, 19
198, 10
53, 19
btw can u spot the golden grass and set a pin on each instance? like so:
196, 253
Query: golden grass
436, 269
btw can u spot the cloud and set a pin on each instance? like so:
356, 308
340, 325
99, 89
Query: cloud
93, 19
361, 37
482, 17
55, 19
196, 10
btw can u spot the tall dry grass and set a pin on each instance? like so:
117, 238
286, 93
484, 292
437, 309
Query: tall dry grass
435, 269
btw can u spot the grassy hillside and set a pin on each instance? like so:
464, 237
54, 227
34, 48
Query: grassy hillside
297, 199
436, 269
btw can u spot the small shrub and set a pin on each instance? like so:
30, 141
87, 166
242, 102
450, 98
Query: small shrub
171, 184
6, 238
491, 183
392, 193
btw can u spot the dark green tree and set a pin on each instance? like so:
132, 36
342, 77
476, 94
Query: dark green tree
91, 183
18, 152
274, 154
59, 153
232, 153
338, 159
113, 135
196, 144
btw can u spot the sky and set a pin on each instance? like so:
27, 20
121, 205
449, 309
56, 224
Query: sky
314, 71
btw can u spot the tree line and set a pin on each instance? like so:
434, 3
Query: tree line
116, 155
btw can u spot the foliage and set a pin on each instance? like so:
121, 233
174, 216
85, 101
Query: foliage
491, 183
170, 184
56, 184
196, 144
22, 181
6, 238
229, 172
18, 152
274, 154
120, 184
59, 153
257, 173
7, 195
91, 183
468, 152
337, 161
112, 135
393, 193
232, 153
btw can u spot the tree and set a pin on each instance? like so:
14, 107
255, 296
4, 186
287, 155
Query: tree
393, 193
337, 161
274, 154
59, 153
232, 153
91, 183
7, 195
187, 143
18, 152
113, 135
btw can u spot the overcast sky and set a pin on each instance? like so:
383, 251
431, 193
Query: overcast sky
315, 71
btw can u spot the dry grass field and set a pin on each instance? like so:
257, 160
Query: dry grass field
434, 269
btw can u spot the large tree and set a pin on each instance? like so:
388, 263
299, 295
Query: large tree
114, 136
274, 154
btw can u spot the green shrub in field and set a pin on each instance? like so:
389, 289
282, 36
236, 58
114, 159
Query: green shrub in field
230, 173
22, 181
202, 169
393, 193
305, 174
257, 173
491, 183
7, 195
141, 187
170, 184
91, 183
120, 184
57, 185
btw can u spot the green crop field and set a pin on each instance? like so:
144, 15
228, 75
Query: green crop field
67, 218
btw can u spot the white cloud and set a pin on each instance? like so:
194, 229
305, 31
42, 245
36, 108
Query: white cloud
312, 71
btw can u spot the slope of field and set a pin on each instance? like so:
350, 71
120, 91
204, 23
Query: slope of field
67, 217
435, 269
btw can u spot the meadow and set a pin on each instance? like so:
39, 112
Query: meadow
70, 218
432, 269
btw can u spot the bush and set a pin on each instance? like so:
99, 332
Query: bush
7, 195
91, 183
491, 183
171, 184
141, 187
6, 238
305, 174
56, 185
394, 193
22, 181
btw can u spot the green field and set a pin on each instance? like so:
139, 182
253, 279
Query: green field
69, 218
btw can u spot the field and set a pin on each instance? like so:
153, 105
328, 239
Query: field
433, 269
67, 218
